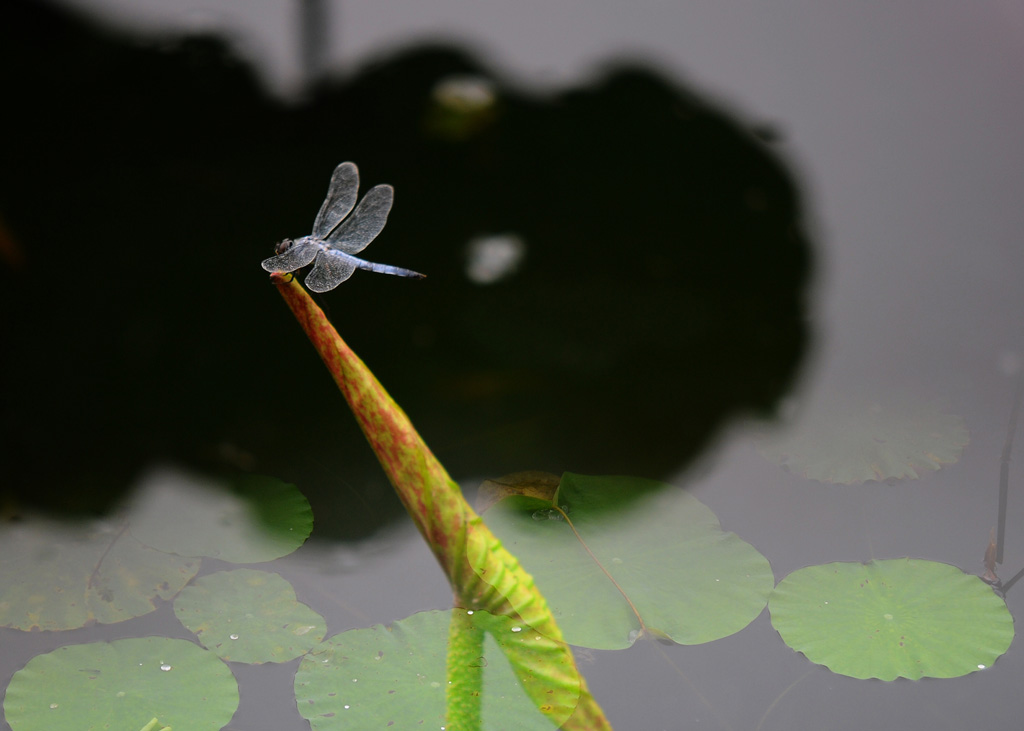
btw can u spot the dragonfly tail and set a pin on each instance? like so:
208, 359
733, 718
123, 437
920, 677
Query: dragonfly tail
388, 269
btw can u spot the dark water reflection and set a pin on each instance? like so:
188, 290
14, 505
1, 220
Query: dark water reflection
662, 288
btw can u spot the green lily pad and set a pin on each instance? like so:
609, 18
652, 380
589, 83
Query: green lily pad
624, 555
63, 576
249, 616
396, 677
894, 618
122, 685
249, 520
849, 440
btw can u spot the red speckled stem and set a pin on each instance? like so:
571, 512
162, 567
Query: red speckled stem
430, 496
452, 529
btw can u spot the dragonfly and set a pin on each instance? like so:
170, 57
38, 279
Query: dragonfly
337, 236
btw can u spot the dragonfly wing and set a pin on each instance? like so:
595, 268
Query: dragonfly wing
295, 257
332, 268
358, 230
341, 196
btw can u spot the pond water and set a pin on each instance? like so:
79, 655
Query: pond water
817, 337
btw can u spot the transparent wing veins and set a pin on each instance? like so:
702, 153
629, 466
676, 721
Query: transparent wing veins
297, 256
332, 268
341, 197
356, 232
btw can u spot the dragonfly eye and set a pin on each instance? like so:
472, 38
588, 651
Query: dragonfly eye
283, 246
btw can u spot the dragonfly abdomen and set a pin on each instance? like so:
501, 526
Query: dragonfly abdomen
386, 269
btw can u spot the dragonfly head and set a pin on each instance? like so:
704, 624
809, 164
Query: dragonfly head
283, 246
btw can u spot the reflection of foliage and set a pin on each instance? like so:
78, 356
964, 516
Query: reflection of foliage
848, 440
122, 685
618, 556
462, 105
895, 618
665, 242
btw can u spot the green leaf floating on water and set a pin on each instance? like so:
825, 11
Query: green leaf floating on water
849, 440
893, 618
395, 677
623, 554
64, 575
122, 685
249, 616
247, 520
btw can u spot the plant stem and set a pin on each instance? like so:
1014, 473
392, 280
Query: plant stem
482, 573
465, 673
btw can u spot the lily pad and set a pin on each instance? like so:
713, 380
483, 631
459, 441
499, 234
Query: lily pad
248, 520
249, 616
617, 557
893, 618
63, 576
122, 685
396, 677
848, 440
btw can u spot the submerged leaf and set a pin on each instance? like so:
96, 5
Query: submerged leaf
532, 483
893, 618
62, 576
248, 520
848, 440
620, 556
